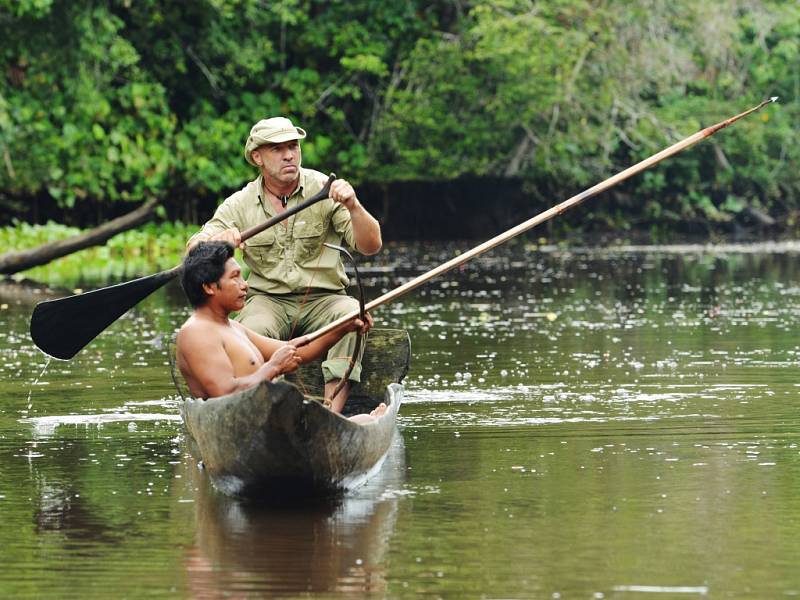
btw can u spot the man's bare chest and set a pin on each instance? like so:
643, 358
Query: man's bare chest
243, 354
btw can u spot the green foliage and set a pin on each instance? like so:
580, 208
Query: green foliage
571, 93
120, 101
81, 118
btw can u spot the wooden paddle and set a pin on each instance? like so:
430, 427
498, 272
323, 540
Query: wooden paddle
541, 218
62, 327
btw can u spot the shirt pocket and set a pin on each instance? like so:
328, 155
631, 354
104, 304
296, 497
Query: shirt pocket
308, 240
262, 250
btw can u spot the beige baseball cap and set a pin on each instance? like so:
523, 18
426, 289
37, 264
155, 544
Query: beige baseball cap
271, 131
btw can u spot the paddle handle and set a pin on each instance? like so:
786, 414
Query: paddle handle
541, 217
320, 195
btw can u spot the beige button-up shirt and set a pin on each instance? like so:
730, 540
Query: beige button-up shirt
288, 257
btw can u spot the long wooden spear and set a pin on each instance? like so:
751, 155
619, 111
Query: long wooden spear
540, 218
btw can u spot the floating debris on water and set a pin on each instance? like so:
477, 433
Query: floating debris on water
663, 589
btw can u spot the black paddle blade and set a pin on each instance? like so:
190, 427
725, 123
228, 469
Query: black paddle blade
63, 327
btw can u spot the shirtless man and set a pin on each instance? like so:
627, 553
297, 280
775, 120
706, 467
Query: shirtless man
218, 356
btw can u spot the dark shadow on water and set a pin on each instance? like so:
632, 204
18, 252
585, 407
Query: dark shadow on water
27, 293
63, 511
334, 545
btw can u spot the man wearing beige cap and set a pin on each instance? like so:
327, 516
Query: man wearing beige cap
296, 285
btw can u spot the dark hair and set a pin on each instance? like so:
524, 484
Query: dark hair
205, 263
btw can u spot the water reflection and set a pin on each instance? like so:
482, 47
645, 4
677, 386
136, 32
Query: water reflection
26, 293
45, 427
62, 510
246, 550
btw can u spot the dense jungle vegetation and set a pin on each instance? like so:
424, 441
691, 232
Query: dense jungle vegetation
116, 101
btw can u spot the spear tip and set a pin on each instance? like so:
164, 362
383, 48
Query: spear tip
773, 99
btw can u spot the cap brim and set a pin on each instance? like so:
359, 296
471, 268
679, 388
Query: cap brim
278, 138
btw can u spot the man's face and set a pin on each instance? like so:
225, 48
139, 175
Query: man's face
231, 289
280, 162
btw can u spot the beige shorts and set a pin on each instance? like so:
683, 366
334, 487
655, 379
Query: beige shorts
286, 316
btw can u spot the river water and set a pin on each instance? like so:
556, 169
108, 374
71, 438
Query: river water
577, 424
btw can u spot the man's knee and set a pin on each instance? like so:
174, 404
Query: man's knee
264, 317
343, 305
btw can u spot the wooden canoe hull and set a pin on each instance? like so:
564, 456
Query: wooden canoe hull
270, 441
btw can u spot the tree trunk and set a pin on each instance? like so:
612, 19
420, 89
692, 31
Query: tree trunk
14, 262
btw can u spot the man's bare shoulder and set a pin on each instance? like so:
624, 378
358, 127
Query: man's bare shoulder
237, 325
199, 332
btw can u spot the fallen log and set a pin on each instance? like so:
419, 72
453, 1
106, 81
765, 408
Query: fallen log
14, 262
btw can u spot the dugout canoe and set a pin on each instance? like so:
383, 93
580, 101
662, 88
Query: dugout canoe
276, 441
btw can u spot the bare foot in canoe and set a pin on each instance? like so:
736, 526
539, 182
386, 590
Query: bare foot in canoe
364, 419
